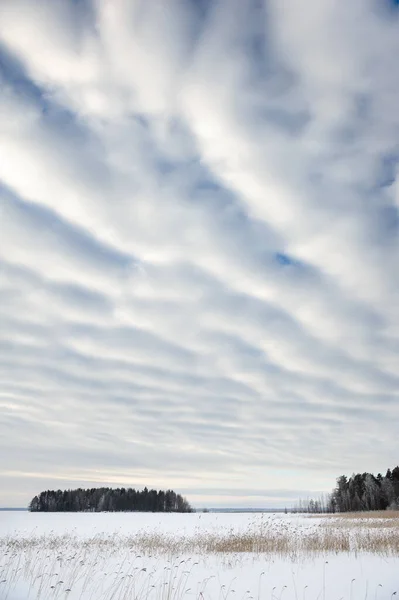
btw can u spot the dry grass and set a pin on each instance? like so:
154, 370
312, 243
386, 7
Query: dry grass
332, 536
118, 567
369, 520
377, 514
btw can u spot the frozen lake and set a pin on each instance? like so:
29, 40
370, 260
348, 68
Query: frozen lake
200, 556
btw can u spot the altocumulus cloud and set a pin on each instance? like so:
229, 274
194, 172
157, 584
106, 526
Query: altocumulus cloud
199, 245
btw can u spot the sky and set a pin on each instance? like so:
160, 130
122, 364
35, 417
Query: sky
199, 246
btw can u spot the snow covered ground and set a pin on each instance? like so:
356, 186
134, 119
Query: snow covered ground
202, 556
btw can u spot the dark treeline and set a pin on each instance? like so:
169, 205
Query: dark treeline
109, 499
360, 492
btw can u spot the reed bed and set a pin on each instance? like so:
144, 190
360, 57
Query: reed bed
329, 536
375, 519
375, 514
149, 565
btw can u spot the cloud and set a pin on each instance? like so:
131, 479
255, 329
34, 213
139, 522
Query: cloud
199, 245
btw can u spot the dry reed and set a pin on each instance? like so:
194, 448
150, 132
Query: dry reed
51, 565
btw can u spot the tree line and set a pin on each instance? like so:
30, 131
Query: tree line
109, 499
360, 492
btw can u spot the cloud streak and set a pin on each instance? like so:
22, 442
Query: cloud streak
199, 245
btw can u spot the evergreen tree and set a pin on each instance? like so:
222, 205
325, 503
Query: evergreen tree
362, 491
108, 499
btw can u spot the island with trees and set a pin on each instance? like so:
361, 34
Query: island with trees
109, 499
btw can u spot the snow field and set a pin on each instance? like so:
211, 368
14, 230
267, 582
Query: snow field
202, 556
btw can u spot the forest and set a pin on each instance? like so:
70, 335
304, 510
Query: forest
360, 492
109, 499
